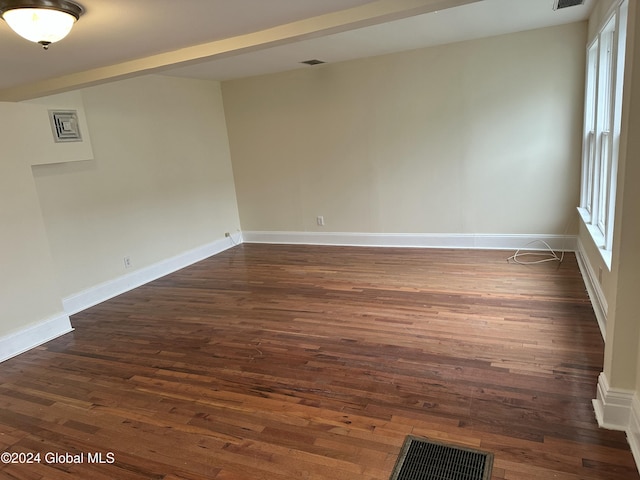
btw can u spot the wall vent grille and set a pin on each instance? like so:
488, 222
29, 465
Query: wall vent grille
64, 124
313, 62
559, 4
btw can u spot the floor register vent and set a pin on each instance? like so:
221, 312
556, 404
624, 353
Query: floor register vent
422, 459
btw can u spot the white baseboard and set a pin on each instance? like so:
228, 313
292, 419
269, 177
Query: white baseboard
633, 432
596, 295
618, 409
104, 291
34, 335
612, 406
472, 241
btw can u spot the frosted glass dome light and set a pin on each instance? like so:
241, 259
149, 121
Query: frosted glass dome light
41, 21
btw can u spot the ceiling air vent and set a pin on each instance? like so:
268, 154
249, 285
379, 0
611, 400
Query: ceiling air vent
558, 4
64, 124
313, 62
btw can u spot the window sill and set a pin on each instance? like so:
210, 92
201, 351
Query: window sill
596, 236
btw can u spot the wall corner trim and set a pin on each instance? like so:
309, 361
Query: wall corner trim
618, 409
612, 406
19, 342
112, 288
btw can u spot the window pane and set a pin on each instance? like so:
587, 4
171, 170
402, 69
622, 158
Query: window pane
600, 196
602, 121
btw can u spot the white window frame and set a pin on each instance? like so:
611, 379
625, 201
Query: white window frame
601, 135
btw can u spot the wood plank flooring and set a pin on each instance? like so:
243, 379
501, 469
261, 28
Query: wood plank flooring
306, 362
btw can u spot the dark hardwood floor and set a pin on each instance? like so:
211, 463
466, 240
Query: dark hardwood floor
304, 362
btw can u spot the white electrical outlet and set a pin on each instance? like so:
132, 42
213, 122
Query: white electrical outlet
127, 262
600, 275
320, 220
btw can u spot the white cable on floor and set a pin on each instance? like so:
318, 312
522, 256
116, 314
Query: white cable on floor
550, 254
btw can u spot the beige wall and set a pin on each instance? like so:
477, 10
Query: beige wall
621, 283
28, 288
160, 182
622, 362
601, 12
473, 137
630, 243
157, 183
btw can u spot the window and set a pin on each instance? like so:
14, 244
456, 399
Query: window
602, 120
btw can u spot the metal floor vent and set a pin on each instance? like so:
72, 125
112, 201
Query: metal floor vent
422, 459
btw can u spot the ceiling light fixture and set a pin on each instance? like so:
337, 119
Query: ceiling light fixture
41, 21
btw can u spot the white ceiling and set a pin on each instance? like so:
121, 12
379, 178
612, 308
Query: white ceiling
477, 20
120, 38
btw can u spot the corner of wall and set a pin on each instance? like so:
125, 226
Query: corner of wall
33, 336
612, 406
106, 290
